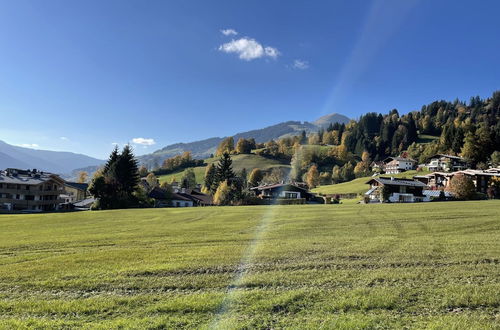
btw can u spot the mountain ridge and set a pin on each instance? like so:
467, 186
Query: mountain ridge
206, 147
60, 162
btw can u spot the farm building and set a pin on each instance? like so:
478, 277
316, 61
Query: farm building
398, 190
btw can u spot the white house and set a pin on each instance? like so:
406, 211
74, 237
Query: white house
395, 165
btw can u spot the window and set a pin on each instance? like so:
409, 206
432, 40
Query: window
27, 187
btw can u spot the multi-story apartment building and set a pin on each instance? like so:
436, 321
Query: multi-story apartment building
30, 190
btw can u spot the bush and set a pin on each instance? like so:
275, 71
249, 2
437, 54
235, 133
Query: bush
462, 187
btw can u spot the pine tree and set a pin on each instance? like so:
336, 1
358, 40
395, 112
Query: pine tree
225, 169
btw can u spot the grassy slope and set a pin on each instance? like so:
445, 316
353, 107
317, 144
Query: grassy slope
359, 186
249, 161
427, 265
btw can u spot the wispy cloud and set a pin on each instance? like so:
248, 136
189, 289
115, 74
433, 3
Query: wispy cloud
249, 49
228, 32
64, 138
143, 141
114, 143
28, 145
300, 64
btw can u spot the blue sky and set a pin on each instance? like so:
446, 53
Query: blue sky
82, 75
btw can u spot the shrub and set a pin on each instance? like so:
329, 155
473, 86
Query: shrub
462, 187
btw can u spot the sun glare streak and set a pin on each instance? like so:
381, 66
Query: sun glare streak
382, 21
247, 259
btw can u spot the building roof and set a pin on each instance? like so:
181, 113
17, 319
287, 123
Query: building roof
399, 159
76, 185
199, 196
26, 177
85, 202
180, 197
397, 182
277, 185
436, 193
446, 156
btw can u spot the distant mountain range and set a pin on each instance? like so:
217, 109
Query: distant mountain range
68, 163
51, 161
204, 148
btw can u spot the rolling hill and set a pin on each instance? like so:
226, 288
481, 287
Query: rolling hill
247, 161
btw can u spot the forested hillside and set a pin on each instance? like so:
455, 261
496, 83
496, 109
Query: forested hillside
471, 129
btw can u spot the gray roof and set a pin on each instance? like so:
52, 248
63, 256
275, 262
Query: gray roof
436, 193
398, 182
23, 179
400, 159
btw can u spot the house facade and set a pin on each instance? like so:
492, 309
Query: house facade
446, 163
30, 190
179, 198
398, 190
395, 165
283, 191
75, 192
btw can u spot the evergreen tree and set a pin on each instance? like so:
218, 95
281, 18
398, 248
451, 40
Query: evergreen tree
225, 169
116, 186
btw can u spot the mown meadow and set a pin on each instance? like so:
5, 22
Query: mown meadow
428, 265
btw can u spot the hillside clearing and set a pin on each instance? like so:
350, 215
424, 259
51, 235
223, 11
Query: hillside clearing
427, 265
247, 161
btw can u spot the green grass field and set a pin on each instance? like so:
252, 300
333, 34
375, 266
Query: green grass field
427, 265
248, 161
359, 186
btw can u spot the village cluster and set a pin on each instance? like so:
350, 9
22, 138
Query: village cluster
37, 191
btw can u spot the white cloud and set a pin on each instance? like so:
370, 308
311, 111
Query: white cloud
29, 145
300, 64
228, 32
114, 143
143, 141
64, 138
272, 52
248, 49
